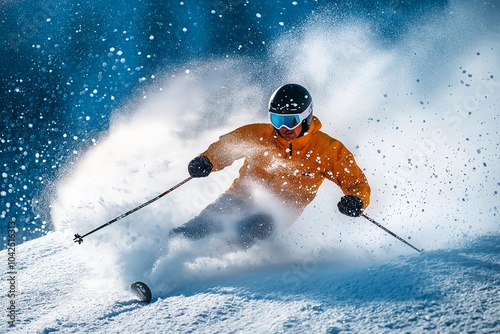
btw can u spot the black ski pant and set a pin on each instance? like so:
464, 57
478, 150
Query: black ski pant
249, 222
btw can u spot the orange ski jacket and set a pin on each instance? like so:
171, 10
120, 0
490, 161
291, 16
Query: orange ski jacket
292, 170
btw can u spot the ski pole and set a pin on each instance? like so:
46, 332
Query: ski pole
391, 233
79, 238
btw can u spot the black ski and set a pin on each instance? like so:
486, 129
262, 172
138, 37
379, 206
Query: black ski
142, 291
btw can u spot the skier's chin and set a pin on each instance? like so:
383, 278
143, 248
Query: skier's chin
288, 134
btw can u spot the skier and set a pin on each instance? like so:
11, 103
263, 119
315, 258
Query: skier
288, 158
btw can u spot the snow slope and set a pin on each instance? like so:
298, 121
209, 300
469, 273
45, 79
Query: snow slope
443, 291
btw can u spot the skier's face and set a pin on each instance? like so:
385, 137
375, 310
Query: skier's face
290, 134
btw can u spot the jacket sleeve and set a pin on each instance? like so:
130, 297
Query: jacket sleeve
346, 173
229, 148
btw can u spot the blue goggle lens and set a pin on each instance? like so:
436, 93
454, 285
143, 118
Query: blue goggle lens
288, 121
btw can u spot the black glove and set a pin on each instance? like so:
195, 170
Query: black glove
200, 166
350, 206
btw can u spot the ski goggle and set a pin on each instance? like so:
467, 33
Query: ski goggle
289, 121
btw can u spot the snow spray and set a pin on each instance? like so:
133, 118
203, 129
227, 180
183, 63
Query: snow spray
418, 113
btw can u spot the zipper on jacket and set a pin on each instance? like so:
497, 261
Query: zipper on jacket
290, 150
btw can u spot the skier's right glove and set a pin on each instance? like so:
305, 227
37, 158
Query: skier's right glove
200, 166
350, 206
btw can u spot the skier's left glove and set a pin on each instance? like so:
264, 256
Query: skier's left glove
350, 206
200, 166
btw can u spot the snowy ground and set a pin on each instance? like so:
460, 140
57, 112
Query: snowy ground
442, 291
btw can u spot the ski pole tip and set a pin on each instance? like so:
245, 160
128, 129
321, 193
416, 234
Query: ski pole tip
78, 238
